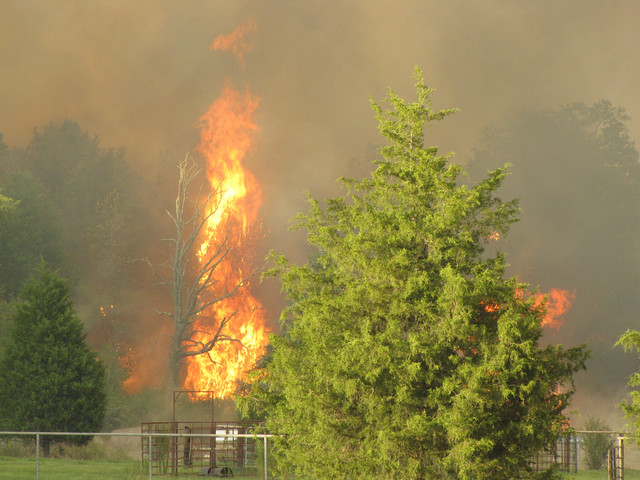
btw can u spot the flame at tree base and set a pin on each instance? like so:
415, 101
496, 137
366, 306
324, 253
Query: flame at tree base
229, 360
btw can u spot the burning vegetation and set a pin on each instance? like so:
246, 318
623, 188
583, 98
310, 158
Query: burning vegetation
218, 325
225, 139
226, 135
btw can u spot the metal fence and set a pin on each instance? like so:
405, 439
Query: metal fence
561, 456
229, 452
193, 451
623, 459
615, 454
200, 451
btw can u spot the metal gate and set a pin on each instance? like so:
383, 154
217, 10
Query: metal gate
191, 452
615, 461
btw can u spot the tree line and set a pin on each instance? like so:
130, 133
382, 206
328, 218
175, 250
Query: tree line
69, 220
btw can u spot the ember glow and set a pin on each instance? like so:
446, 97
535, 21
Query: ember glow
226, 135
490, 307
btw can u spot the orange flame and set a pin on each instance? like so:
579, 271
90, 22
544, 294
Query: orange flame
226, 133
490, 307
235, 42
558, 303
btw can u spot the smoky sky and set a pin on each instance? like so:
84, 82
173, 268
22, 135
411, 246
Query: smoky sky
140, 74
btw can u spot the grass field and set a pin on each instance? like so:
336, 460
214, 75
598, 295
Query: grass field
600, 475
12, 468
67, 469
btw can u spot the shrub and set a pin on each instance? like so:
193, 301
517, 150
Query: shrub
596, 445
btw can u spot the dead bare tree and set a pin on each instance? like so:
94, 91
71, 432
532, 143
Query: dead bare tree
195, 288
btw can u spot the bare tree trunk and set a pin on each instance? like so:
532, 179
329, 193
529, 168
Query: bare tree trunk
175, 362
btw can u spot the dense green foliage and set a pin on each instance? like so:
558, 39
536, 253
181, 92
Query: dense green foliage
50, 379
631, 341
7, 310
7, 213
405, 353
31, 234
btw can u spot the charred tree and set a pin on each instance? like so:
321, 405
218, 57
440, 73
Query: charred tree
194, 285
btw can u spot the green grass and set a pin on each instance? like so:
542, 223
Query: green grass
599, 475
12, 468
68, 469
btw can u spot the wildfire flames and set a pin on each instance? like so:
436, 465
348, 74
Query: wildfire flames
558, 302
235, 42
225, 138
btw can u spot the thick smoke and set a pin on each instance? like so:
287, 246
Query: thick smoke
140, 74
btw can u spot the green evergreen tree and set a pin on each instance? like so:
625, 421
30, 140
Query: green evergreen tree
50, 380
405, 353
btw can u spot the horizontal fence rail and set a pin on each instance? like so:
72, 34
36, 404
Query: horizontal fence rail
567, 454
142, 435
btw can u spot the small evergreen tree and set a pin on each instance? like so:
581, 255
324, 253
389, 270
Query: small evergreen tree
50, 380
405, 353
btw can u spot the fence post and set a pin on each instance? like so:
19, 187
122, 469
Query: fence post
37, 456
150, 459
265, 457
621, 456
